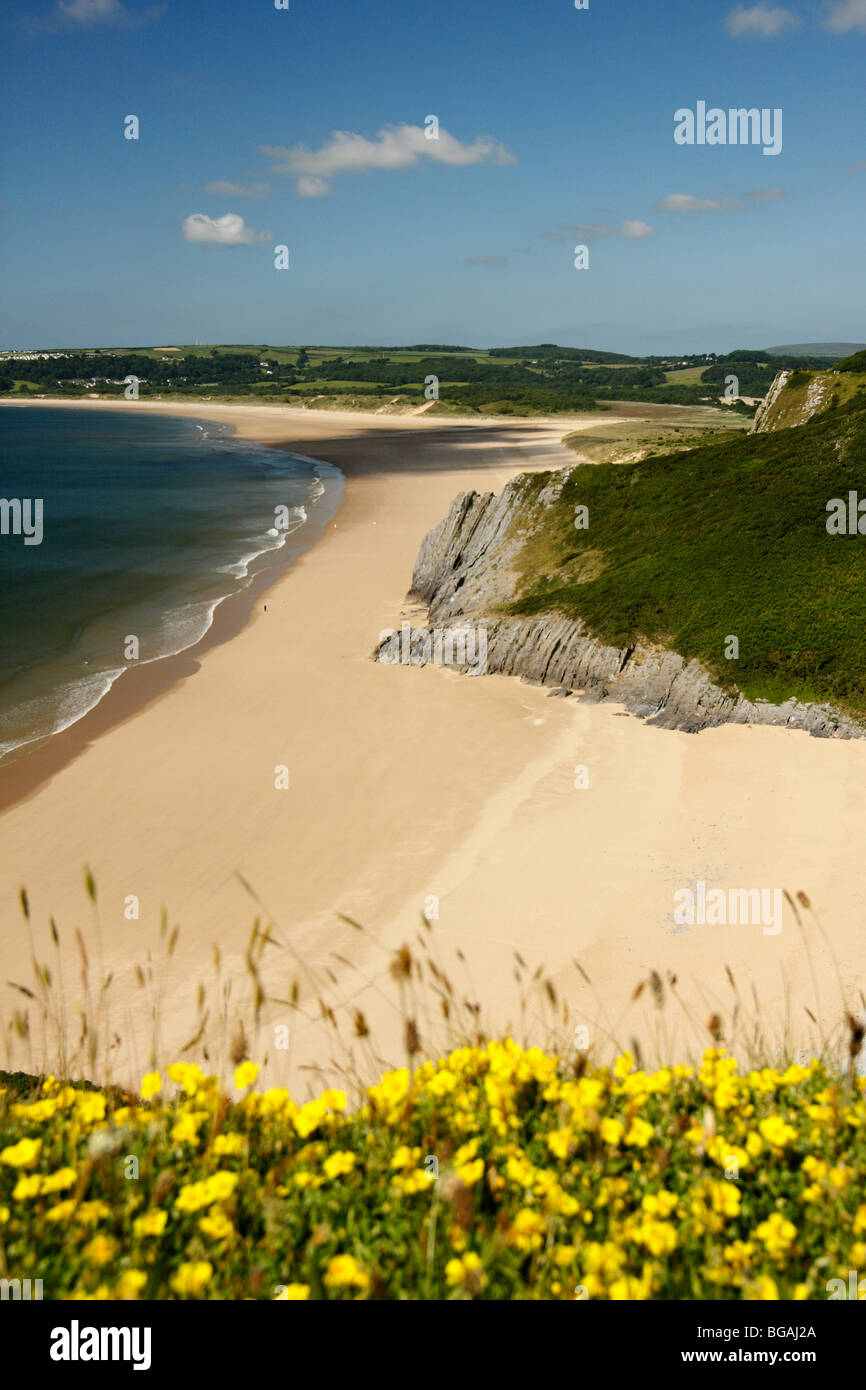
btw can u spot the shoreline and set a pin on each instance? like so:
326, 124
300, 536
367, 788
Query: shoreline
27, 768
415, 785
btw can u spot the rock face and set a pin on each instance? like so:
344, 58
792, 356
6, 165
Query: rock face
465, 572
765, 410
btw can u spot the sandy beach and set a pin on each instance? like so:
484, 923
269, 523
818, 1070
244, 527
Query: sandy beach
408, 786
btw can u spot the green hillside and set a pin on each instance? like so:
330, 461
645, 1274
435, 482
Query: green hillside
727, 538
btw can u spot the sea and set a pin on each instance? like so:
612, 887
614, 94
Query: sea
148, 524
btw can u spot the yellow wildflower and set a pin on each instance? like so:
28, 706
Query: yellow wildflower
344, 1272
37, 1112
640, 1133
196, 1195
611, 1132
337, 1164
559, 1141
659, 1203
61, 1180
151, 1085
187, 1128
404, 1157
152, 1223
724, 1197
90, 1213
763, 1289
131, 1283
100, 1250
231, 1145
777, 1234
187, 1075
466, 1273
471, 1173
192, 1278
527, 1229
23, 1154
27, 1186
408, 1184
777, 1132
245, 1075
659, 1237
90, 1107
216, 1225
61, 1212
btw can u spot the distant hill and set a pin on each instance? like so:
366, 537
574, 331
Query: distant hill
815, 349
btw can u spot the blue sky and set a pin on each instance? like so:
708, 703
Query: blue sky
556, 127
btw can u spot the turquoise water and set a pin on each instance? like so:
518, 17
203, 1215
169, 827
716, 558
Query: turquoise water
148, 523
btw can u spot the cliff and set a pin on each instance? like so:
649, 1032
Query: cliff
798, 396
468, 570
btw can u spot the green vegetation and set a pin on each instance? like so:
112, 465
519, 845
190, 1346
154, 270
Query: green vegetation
525, 381
556, 1167
495, 1173
662, 430
728, 538
855, 363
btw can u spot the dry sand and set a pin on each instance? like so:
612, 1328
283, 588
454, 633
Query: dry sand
408, 785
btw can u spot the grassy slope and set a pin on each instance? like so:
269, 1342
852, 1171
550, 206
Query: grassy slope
728, 538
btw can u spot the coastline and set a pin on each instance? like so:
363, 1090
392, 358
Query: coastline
27, 769
418, 783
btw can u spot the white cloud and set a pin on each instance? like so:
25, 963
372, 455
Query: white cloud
590, 231
635, 230
762, 21
238, 190
485, 260
846, 15
765, 195
92, 11
685, 202
310, 186
221, 231
632, 230
87, 14
395, 147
